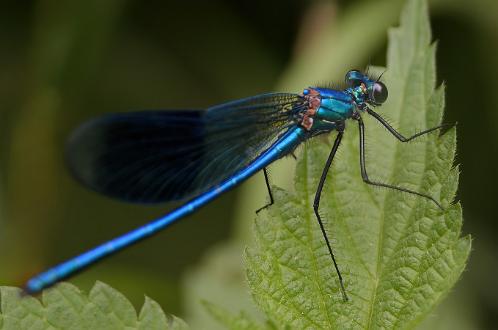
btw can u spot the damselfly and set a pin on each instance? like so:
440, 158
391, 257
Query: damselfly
158, 156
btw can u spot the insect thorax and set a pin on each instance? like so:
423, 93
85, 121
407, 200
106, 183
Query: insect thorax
324, 108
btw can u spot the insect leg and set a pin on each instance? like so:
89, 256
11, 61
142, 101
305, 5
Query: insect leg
316, 205
267, 181
397, 134
367, 180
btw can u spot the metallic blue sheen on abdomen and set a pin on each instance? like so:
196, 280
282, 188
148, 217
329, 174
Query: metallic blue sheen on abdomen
283, 146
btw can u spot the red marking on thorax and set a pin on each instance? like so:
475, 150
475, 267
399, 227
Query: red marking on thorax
313, 100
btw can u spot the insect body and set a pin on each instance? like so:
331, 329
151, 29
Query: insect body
196, 155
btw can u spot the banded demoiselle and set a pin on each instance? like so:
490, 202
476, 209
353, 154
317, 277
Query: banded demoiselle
197, 155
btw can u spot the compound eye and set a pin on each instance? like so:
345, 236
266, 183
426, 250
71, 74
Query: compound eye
354, 78
379, 93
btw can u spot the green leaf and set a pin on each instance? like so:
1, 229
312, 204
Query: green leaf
399, 254
66, 307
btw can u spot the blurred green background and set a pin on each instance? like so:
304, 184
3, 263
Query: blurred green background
62, 62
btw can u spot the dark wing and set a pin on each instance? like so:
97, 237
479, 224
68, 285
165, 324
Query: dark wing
157, 156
